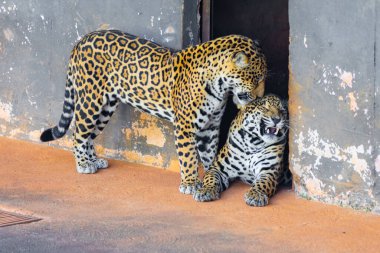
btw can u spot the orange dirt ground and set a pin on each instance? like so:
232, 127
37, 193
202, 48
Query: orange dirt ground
134, 208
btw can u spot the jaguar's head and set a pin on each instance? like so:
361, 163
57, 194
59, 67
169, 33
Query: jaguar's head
267, 118
245, 69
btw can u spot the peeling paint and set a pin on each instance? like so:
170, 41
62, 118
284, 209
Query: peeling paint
16, 132
6, 111
174, 165
346, 80
9, 35
169, 30
104, 27
3, 128
153, 134
305, 41
169, 33
353, 104
313, 144
77, 32
65, 142
152, 21
314, 186
35, 135
346, 77
377, 164
359, 165
328, 73
106, 152
146, 127
127, 132
137, 157
8, 9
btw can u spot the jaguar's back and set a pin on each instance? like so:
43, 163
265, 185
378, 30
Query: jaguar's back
117, 64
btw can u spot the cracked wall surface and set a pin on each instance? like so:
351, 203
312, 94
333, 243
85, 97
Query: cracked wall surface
36, 38
333, 101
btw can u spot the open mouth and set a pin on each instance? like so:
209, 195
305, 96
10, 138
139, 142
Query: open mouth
272, 130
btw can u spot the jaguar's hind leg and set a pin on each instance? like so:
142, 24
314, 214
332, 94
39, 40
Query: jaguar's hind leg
105, 115
262, 189
85, 122
99, 163
81, 142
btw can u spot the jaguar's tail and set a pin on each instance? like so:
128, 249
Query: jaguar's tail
66, 116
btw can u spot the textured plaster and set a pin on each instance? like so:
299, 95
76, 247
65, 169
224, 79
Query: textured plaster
332, 92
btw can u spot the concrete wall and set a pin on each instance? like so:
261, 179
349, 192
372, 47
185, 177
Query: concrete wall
334, 101
35, 41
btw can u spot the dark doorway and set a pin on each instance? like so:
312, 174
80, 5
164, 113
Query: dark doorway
264, 21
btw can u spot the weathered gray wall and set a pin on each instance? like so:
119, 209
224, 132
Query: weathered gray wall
35, 41
376, 131
334, 83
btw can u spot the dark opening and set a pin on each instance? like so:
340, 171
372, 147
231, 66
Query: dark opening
263, 20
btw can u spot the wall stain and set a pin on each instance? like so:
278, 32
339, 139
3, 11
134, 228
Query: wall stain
352, 102
147, 127
309, 150
6, 111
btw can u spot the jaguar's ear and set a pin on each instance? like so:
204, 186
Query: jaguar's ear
241, 60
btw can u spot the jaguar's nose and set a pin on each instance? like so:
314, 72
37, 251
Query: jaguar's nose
276, 120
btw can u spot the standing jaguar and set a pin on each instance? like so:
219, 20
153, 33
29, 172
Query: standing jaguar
253, 153
189, 88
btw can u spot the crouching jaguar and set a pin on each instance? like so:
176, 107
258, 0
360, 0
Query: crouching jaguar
189, 88
253, 153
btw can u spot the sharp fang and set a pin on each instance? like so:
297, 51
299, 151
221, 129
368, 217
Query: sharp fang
276, 131
267, 131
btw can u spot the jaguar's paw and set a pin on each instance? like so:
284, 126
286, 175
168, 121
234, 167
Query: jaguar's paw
255, 198
189, 188
87, 168
101, 163
206, 194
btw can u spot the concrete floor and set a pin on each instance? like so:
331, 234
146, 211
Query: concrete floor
133, 208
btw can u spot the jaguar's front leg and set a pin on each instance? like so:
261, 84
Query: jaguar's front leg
214, 182
207, 145
216, 179
262, 189
187, 156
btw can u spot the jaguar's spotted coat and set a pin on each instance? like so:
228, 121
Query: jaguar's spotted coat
253, 153
188, 88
